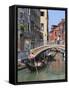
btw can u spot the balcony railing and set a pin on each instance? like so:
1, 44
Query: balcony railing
27, 34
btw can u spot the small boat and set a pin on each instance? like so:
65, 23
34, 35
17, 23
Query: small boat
36, 66
34, 63
37, 62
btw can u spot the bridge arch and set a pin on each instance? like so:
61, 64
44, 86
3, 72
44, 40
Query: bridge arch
40, 49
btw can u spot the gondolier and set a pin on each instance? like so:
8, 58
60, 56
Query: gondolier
58, 39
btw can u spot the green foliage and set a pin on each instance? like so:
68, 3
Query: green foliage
23, 27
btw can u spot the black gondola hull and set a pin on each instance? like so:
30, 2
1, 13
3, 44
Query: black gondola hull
34, 68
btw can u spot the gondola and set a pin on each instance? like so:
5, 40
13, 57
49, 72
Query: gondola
36, 66
38, 62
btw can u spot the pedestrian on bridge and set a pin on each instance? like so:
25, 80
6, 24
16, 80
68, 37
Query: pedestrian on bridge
58, 39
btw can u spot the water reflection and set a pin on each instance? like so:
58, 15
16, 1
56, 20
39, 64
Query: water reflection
54, 70
58, 66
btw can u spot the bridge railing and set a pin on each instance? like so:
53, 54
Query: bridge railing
38, 43
62, 42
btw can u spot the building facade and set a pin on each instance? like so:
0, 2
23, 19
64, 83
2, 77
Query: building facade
24, 37
56, 31
35, 27
44, 24
29, 34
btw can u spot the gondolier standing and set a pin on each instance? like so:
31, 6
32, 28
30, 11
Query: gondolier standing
58, 39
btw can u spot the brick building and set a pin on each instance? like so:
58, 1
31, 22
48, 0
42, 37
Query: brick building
57, 30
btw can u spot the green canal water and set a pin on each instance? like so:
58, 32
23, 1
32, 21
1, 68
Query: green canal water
53, 71
25, 75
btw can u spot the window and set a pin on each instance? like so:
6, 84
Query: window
55, 33
42, 13
21, 35
62, 30
28, 27
21, 15
42, 26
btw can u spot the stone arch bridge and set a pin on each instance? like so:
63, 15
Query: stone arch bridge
38, 50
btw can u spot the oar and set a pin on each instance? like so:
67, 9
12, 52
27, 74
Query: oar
36, 69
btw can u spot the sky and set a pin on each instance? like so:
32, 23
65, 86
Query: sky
55, 17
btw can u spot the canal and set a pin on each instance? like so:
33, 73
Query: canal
53, 71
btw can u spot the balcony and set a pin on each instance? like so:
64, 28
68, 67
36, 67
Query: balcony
28, 34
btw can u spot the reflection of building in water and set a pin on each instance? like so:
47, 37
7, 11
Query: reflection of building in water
58, 30
58, 66
44, 24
